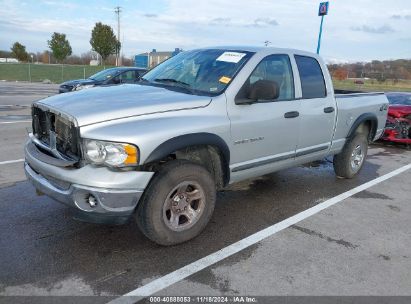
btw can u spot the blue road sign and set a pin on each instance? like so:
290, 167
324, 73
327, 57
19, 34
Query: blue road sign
322, 12
323, 9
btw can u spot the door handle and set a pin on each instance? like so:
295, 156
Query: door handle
329, 110
292, 114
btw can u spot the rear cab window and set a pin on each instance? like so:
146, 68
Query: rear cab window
312, 77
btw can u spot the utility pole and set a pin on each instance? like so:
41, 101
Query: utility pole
117, 10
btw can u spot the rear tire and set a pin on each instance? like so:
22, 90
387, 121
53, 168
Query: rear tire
177, 204
349, 162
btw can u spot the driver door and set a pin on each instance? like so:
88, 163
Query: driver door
265, 133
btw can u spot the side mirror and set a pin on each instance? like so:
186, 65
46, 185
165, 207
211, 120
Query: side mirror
263, 90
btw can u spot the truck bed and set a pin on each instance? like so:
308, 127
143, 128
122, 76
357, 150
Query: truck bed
342, 93
352, 104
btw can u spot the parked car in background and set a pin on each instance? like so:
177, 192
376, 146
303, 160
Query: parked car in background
398, 124
106, 77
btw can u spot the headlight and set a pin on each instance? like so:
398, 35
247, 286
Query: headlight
81, 87
110, 153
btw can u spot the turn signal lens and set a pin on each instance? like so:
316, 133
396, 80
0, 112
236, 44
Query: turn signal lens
132, 155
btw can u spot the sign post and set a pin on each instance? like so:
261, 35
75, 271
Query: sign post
323, 11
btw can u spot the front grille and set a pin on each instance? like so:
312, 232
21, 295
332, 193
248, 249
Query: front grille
52, 129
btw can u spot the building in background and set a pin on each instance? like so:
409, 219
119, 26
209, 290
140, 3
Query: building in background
150, 60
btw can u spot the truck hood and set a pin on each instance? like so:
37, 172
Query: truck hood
402, 108
108, 103
399, 110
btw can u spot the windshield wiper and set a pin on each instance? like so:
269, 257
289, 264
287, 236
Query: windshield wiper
173, 83
172, 80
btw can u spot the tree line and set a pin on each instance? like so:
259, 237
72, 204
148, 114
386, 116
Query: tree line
102, 41
380, 70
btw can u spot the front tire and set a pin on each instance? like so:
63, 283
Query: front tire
177, 204
349, 162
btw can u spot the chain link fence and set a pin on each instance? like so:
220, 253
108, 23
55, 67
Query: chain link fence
56, 73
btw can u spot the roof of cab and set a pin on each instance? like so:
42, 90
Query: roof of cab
263, 49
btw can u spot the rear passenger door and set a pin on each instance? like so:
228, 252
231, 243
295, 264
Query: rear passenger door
318, 112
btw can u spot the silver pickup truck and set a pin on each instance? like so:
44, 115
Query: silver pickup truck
158, 151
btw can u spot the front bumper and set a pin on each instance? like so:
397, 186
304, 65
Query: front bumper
392, 136
398, 129
115, 193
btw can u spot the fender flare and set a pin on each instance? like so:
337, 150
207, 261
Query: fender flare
183, 141
361, 119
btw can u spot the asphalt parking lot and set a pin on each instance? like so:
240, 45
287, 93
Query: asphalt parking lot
360, 245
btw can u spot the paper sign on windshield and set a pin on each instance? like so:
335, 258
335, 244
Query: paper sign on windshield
233, 57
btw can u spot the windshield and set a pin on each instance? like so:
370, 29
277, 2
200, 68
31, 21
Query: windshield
105, 74
203, 72
399, 98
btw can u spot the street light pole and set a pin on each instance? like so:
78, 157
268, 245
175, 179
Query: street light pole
29, 72
117, 10
31, 55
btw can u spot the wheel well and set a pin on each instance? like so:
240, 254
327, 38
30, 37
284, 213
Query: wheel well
365, 123
367, 127
206, 149
208, 156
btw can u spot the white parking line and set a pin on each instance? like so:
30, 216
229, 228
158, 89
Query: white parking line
188, 270
11, 105
12, 122
14, 105
12, 161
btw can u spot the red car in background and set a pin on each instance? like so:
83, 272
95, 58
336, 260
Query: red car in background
398, 127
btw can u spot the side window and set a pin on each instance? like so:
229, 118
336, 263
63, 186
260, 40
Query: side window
312, 78
273, 69
128, 77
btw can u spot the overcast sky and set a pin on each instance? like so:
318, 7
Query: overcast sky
354, 29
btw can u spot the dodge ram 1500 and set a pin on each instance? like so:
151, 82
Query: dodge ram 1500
158, 151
